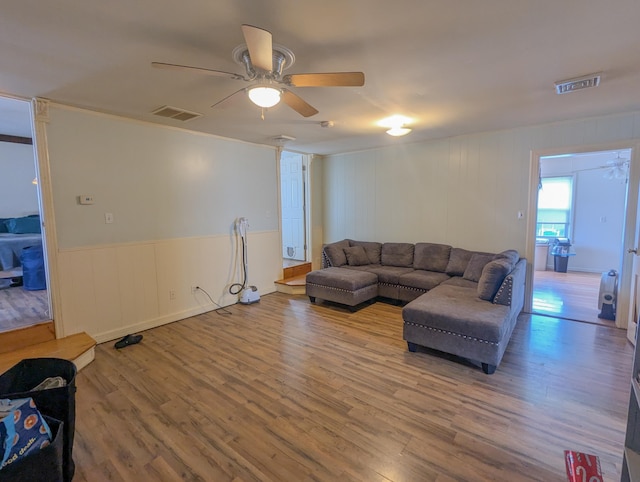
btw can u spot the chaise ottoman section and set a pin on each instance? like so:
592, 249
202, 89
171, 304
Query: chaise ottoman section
342, 285
454, 320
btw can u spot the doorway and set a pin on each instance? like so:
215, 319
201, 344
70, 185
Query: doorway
293, 207
579, 230
24, 299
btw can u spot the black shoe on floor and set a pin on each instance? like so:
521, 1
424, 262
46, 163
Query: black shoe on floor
128, 340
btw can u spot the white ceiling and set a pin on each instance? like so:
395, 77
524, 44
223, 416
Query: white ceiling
454, 66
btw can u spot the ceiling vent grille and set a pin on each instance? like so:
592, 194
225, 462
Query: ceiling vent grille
175, 113
579, 83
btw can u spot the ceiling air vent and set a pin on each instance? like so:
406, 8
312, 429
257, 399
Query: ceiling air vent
175, 113
579, 83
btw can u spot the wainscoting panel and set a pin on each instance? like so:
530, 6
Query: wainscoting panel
109, 291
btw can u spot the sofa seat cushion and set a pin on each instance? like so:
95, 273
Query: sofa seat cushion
389, 274
341, 278
421, 279
460, 281
458, 310
365, 267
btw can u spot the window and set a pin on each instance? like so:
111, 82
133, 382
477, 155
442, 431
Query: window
555, 200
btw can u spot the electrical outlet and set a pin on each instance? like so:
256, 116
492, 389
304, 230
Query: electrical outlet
172, 294
194, 289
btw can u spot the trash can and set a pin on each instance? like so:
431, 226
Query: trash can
560, 252
33, 274
542, 252
59, 403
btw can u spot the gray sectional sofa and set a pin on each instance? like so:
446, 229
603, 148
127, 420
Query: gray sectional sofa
461, 302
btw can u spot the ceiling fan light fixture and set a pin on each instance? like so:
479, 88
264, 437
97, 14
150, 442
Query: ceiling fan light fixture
264, 97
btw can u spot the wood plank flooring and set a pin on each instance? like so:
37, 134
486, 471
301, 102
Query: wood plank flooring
20, 308
572, 295
283, 390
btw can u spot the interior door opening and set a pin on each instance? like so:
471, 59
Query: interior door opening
579, 233
293, 215
24, 298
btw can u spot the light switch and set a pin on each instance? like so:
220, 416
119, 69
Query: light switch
86, 199
108, 218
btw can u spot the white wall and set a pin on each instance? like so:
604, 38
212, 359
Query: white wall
18, 196
175, 196
464, 191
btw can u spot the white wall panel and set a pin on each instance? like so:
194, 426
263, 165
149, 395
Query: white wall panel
110, 291
159, 183
465, 191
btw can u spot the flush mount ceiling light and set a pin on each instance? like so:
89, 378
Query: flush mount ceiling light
264, 97
396, 124
398, 131
578, 83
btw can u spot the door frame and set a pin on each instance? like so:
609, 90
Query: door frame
39, 121
624, 284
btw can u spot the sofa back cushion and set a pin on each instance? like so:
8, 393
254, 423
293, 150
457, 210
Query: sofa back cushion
493, 274
458, 261
372, 249
510, 255
476, 264
431, 256
335, 253
3, 226
397, 254
356, 256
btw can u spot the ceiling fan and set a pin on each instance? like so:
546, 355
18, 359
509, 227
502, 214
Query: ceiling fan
264, 63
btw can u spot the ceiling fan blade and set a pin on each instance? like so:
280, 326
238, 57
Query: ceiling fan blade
297, 104
260, 47
327, 79
198, 70
220, 102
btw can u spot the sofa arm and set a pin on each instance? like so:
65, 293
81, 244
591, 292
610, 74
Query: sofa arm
511, 291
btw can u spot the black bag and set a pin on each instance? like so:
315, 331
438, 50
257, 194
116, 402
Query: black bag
42, 466
58, 403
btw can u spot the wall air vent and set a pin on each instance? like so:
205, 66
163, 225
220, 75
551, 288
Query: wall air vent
579, 83
175, 113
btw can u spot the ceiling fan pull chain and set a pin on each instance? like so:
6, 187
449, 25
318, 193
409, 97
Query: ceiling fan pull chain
262, 113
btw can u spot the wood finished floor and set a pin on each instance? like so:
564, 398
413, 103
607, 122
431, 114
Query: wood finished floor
20, 308
572, 295
283, 390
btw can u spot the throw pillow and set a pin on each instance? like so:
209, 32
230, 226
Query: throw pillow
356, 256
24, 225
335, 252
372, 249
493, 274
458, 260
476, 265
3, 226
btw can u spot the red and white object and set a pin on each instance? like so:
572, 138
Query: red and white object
582, 467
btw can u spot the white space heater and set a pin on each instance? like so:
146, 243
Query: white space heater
608, 294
